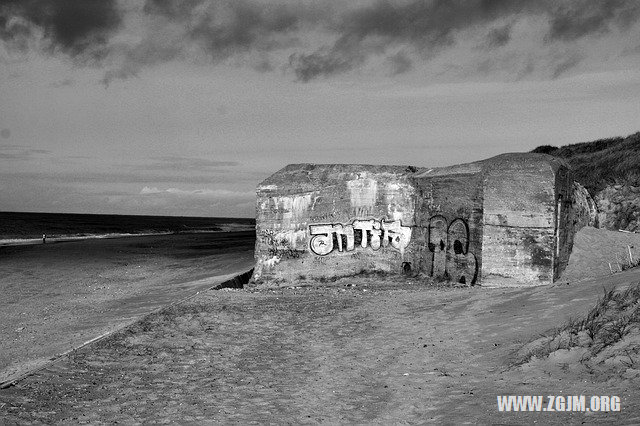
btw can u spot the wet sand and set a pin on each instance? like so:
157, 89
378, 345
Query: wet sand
56, 296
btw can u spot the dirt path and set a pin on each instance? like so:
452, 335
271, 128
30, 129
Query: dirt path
59, 295
362, 351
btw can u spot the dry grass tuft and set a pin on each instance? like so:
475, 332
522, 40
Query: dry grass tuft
615, 315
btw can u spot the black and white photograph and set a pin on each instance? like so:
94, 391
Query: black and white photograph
320, 212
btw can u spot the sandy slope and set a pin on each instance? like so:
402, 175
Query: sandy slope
59, 295
594, 249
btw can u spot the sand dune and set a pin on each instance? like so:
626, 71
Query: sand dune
595, 249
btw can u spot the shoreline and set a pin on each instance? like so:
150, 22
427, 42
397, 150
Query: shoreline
8, 242
61, 239
61, 295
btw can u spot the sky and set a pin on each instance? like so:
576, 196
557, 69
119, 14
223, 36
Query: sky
182, 107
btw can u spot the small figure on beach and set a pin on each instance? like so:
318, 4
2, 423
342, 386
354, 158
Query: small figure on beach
44, 238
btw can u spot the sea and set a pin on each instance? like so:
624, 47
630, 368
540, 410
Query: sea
29, 228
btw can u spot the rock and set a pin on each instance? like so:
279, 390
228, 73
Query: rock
619, 207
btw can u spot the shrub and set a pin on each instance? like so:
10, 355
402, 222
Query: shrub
601, 163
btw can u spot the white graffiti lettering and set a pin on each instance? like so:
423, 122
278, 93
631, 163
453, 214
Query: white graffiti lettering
376, 233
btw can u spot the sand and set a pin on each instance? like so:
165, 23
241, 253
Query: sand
57, 296
597, 252
362, 350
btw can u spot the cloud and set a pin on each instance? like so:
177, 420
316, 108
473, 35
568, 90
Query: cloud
228, 27
20, 195
344, 56
217, 29
498, 37
120, 177
22, 153
161, 44
150, 190
430, 27
400, 63
63, 83
175, 9
576, 19
421, 25
565, 64
77, 28
309, 39
199, 201
187, 163
204, 193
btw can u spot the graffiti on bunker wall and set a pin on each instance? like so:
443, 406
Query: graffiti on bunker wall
370, 232
449, 245
447, 242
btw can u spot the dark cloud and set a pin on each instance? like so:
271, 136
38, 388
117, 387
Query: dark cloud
246, 28
346, 54
430, 26
227, 27
173, 9
318, 38
572, 20
424, 25
15, 34
221, 29
400, 63
565, 64
74, 27
498, 37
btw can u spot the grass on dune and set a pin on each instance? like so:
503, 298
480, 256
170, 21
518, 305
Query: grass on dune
615, 316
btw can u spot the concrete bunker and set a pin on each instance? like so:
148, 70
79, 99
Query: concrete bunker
508, 220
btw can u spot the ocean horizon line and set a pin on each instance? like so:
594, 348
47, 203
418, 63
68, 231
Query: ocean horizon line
125, 214
16, 228
5, 242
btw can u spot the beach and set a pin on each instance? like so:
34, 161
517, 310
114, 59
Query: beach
367, 349
58, 295
363, 350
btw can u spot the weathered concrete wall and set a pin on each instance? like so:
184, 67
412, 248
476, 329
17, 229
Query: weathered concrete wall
508, 220
322, 221
519, 240
448, 233
565, 227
